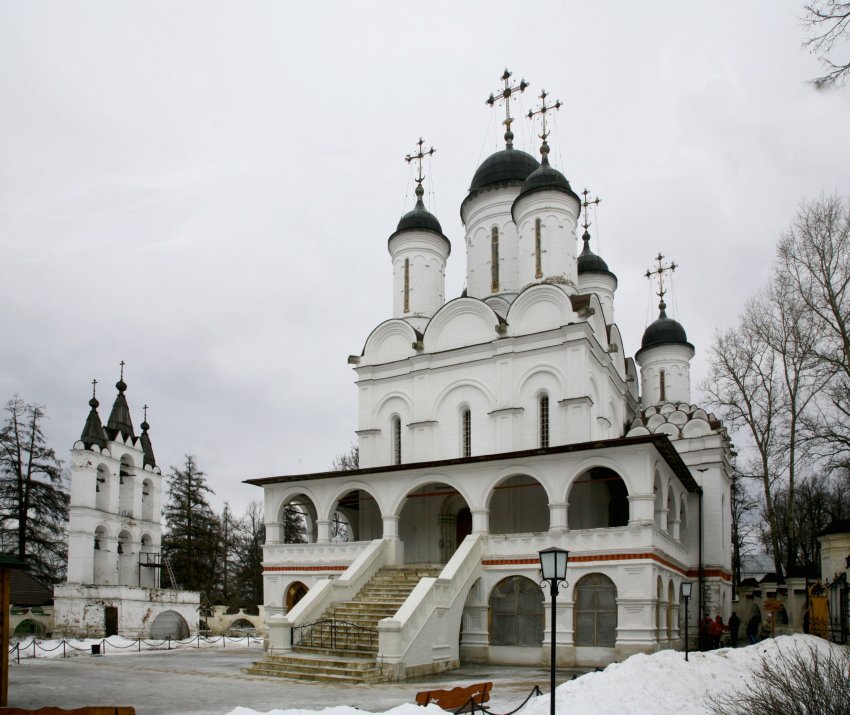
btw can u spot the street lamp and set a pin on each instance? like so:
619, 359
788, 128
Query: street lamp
686, 594
553, 566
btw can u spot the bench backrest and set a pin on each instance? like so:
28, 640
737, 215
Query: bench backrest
91, 710
456, 697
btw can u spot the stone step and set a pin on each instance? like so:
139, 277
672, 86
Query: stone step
290, 673
317, 651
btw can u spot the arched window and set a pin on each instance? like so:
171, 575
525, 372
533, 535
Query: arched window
396, 440
595, 611
538, 252
465, 432
516, 613
406, 285
662, 386
494, 260
543, 420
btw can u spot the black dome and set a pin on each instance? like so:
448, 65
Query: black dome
664, 331
420, 218
548, 178
509, 166
588, 261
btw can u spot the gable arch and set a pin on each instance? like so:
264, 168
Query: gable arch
461, 322
541, 306
391, 340
452, 396
541, 378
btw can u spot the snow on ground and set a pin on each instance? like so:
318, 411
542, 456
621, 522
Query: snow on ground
116, 645
662, 682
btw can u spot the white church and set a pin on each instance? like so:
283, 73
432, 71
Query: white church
492, 426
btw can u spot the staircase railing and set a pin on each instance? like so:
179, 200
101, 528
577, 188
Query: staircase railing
424, 630
335, 635
379, 553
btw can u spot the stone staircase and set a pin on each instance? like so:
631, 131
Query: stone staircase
342, 645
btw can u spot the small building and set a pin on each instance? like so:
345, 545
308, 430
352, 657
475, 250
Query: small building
114, 579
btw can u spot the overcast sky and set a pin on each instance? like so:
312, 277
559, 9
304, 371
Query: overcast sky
205, 189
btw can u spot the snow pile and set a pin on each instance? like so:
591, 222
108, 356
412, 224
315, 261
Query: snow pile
662, 682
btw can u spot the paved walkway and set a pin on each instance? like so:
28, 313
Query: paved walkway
209, 682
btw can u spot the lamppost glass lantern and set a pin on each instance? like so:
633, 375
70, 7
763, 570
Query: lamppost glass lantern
686, 595
553, 563
553, 566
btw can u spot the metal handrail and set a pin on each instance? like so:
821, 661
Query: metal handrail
334, 634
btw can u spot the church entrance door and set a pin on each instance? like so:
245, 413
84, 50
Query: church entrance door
110, 625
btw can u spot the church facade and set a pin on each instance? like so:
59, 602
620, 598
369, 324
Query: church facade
502, 422
114, 580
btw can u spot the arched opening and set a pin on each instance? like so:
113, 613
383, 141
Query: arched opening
126, 560
428, 523
516, 613
148, 563
356, 517
465, 432
30, 627
660, 503
519, 505
101, 487
169, 624
595, 611
125, 486
241, 627
671, 604
298, 521
104, 569
147, 500
671, 511
598, 499
659, 610
294, 594
543, 418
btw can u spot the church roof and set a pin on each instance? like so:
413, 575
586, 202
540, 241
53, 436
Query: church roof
119, 419
546, 178
93, 432
660, 441
663, 331
508, 167
588, 261
147, 447
419, 219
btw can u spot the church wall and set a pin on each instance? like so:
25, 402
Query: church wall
490, 209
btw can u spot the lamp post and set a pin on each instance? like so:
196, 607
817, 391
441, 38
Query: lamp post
686, 594
553, 566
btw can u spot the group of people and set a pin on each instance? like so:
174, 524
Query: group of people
711, 631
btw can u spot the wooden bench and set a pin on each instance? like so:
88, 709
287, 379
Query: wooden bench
461, 697
91, 710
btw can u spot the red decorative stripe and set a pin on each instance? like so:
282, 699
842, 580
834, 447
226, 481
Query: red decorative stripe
305, 568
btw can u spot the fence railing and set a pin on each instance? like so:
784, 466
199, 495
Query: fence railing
30, 650
335, 635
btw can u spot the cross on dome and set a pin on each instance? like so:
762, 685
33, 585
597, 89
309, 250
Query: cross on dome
660, 271
418, 157
585, 204
505, 96
544, 109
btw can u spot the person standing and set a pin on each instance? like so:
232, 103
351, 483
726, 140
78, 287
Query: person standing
753, 626
734, 627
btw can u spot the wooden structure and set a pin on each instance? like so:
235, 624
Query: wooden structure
7, 564
460, 699
92, 710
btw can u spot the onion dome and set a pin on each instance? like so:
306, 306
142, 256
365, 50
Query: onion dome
419, 218
119, 419
509, 167
664, 331
588, 261
145, 439
546, 178
93, 432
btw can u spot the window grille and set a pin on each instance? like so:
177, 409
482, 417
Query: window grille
494, 260
544, 420
466, 433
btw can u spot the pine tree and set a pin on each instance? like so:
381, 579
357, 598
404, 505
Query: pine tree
191, 541
249, 577
33, 500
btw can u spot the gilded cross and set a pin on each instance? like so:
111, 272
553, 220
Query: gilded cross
505, 96
660, 271
544, 109
419, 156
94, 389
585, 204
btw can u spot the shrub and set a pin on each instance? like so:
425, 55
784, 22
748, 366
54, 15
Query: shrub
793, 682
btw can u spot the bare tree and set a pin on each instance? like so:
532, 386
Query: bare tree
829, 22
33, 500
348, 460
814, 265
